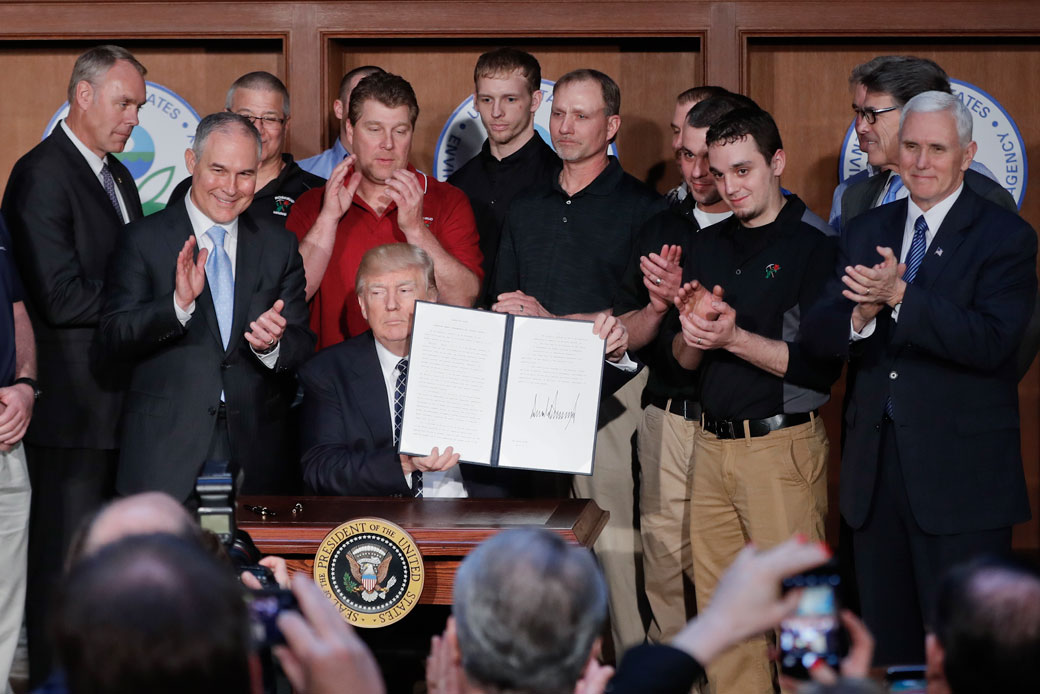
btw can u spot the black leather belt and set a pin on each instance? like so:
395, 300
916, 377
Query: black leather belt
690, 409
734, 428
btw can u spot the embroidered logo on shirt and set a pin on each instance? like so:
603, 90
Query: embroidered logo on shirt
771, 270
427, 221
282, 203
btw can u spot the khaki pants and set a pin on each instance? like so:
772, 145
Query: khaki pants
665, 445
612, 486
14, 546
761, 490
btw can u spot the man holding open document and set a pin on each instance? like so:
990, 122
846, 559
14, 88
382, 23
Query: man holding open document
354, 406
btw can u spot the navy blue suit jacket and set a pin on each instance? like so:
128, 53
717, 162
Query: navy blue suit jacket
948, 365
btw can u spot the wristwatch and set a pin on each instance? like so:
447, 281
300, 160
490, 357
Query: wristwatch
31, 382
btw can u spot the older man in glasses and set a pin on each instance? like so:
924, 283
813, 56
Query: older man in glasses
263, 99
880, 88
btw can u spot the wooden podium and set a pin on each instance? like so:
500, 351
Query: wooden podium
445, 529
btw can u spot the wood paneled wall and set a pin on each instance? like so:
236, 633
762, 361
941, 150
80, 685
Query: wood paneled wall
793, 57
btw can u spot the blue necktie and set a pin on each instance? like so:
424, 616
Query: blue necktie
110, 188
894, 187
914, 256
402, 375
221, 282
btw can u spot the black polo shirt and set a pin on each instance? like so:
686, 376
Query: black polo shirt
772, 275
491, 184
274, 200
570, 251
10, 293
673, 226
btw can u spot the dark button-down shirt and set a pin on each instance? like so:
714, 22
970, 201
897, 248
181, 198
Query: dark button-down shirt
10, 292
492, 184
570, 251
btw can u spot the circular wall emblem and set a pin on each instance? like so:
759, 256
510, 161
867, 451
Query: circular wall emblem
371, 570
1001, 148
463, 135
154, 154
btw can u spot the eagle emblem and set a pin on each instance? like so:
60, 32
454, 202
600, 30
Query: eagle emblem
369, 565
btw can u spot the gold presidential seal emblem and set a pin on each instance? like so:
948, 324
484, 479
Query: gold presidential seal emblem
371, 570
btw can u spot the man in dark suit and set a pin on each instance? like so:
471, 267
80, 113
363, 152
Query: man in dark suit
938, 289
353, 394
213, 339
65, 203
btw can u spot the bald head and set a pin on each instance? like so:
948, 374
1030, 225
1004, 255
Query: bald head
140, 514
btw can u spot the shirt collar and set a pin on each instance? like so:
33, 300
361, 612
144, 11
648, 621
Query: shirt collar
93, 160
387, 359
339, 152
528, 151
935, 216
603, 185
200, 223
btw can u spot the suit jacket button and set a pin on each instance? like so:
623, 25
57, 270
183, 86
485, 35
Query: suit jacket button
877, 427
893, 375
225, 365
212, 410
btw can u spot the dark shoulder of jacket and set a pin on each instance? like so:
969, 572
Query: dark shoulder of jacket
987, 188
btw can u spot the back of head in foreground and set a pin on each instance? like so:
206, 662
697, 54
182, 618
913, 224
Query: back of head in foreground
528, 609
986, 629
153, 614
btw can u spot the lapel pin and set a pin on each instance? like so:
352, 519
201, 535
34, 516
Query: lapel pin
938, 252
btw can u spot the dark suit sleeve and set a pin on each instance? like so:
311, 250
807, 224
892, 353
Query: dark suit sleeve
297, 343
656, 669
988, 331
135, 322
40, 217
338, 458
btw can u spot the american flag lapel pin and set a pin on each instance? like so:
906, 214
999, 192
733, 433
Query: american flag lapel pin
938, 252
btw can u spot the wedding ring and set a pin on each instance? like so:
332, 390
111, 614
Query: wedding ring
698, 340
869, 291
657, 281
270, 343
521, 308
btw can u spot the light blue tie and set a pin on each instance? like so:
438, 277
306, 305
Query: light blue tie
221, 282
894, 187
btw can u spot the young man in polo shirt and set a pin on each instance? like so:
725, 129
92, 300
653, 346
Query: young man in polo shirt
762, 453
380, 198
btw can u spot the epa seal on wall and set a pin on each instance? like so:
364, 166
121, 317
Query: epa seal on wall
1001, 148
371, 570
463, 135
154, 154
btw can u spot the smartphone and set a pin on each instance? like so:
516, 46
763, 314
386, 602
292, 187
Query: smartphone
906, 679
264, 607
814, 631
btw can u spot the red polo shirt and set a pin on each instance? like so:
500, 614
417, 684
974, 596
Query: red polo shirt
335, 313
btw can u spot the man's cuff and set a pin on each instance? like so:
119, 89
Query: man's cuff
182, 315
867, 331
626, 363
270, 358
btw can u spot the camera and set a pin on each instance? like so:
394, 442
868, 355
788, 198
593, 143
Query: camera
215, 487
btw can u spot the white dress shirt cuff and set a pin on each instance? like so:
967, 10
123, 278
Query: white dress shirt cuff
867, 331
271, 358
182, 315
625, 364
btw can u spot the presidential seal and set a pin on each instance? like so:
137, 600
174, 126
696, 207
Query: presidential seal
1002, 151
371, 570
154, 154
463, 135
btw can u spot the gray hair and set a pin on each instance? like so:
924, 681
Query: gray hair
226, 123
260, 81
93, 64
932, 102
390, 257
528, 608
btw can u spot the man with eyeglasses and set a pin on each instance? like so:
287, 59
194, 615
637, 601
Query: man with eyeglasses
880, 88
263, 99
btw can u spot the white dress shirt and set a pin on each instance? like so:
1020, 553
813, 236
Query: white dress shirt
200, 224
446, 483
934, 218
95, 162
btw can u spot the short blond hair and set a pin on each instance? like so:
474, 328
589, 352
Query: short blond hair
390, 257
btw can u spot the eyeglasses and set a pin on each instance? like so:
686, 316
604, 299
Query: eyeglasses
266, 121
870, 114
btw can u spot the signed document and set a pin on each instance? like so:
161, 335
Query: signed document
506, 391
